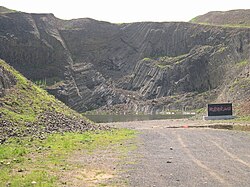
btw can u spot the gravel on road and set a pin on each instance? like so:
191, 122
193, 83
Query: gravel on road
171, 156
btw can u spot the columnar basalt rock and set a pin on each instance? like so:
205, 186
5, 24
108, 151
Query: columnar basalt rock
91, 64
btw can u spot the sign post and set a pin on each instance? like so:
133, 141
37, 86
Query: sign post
219, 111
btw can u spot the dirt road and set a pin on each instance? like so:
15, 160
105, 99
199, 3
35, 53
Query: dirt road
187, 156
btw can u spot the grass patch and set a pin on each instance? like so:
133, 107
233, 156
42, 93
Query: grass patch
241, 127
23, 161
201, 111
194, 20
147, 59
162, 66
242, 63
4, 10
222, 49
242, 119
165, 61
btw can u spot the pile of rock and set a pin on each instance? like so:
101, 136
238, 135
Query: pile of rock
7, 129
58, 122
47, 123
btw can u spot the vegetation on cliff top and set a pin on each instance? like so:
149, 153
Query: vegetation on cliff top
232, 18
5, 10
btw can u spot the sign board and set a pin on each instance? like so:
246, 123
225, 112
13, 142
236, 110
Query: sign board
223, 109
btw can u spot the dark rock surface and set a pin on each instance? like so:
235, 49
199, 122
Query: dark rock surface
139, 66
7, 80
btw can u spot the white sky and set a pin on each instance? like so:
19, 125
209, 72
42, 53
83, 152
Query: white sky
120, 11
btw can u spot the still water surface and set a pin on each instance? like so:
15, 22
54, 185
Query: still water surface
125, 118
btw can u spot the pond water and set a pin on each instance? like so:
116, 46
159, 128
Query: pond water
126, 118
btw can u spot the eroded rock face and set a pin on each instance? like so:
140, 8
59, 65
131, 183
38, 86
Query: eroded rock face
137, 66
32, 44
7, 80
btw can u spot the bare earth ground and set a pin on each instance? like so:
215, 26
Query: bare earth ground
95, 169
188, 156
171, 157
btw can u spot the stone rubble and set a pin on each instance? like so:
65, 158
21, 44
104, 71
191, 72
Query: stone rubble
47, 123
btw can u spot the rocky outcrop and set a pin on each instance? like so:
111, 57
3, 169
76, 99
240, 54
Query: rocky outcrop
136, 65
7, 80
160, 60
32, 44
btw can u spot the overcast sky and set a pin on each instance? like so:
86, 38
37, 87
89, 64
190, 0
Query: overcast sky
120, 11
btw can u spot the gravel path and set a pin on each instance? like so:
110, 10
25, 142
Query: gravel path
187, 156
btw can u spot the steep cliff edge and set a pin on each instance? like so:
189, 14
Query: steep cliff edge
140, 67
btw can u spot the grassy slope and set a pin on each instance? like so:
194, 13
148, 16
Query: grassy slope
25, 101
5, 10
232, 18
222, 25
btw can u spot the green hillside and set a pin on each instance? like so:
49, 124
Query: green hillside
5, 10
232, 18
26, 109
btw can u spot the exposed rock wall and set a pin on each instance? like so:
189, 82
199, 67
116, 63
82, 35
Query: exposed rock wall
133, 65
32, 44
7, 80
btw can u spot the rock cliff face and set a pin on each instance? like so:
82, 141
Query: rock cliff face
7, 80
141, 67
33, 45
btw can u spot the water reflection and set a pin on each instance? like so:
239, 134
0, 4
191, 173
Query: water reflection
126, 118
